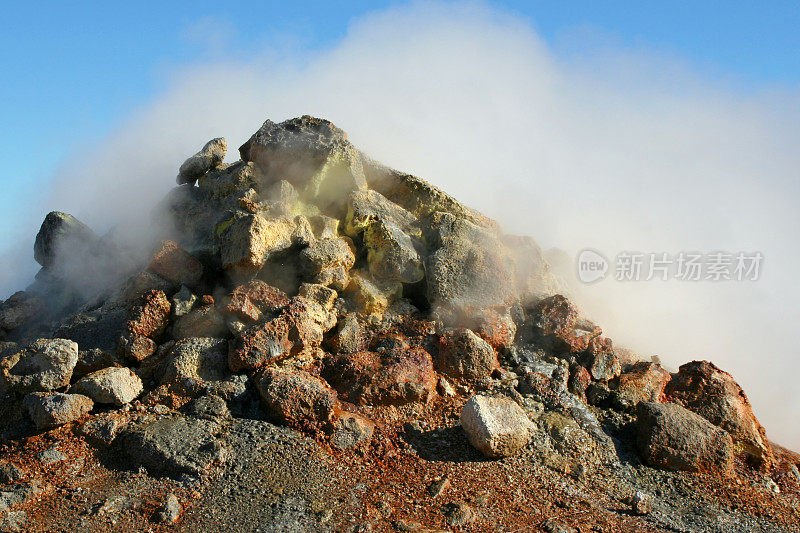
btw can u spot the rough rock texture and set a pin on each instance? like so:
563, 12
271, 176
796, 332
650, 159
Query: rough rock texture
114, 385
59, 231
48, 410
173, 445
643, 382
260, 345
200, 366
176, 265
297, 397
209, 157
497, 426
247, 243
674, 438
712, 393
309, 286
465, 356
43, 366
393, 373
310, 153
21, 307
467, 271
351, 429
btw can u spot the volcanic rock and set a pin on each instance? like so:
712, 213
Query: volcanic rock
200, 366
350, 429
643, 382
674, 438
114, 385
210, 156
393, 373
48, 410
20, 308
174, 264
58, 232
248, 242
173, 445
297, 397
327, 262
497, 426
712, 393
202, 321
312, 154
391, 253
45, 365
147, 320
182, 302
465, 356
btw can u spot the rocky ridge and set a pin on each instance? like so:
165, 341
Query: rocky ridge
429, 366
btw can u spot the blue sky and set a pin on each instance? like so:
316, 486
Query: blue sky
74, 70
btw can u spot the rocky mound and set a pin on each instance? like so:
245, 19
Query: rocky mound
397, 333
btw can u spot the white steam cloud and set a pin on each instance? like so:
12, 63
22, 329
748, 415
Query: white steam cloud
615, 150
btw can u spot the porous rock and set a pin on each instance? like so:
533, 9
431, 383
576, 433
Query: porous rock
113, 385
45, 365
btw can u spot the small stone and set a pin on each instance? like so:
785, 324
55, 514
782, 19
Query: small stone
444, 388
182, 302
51, 455
641, 503
209, 157
170, 510
465, 356
438, 487
459, 514
9, 472
350, 430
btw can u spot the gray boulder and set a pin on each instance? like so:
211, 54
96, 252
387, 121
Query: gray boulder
58, 232
327, 262
210, 156
114, 385
673, 438
49, 410
367, 207
45, 365
497, 426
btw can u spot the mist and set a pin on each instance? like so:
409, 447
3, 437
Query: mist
603, 147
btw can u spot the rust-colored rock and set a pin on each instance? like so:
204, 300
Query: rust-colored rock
149, 315
392, 373
465, 356
712, 393
297, 397
253, 299
259, 345
579, 380
175, 264
558, 325
643, 382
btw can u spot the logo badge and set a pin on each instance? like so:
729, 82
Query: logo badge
592, 266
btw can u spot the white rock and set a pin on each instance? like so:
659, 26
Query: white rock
113, 385
497, 426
